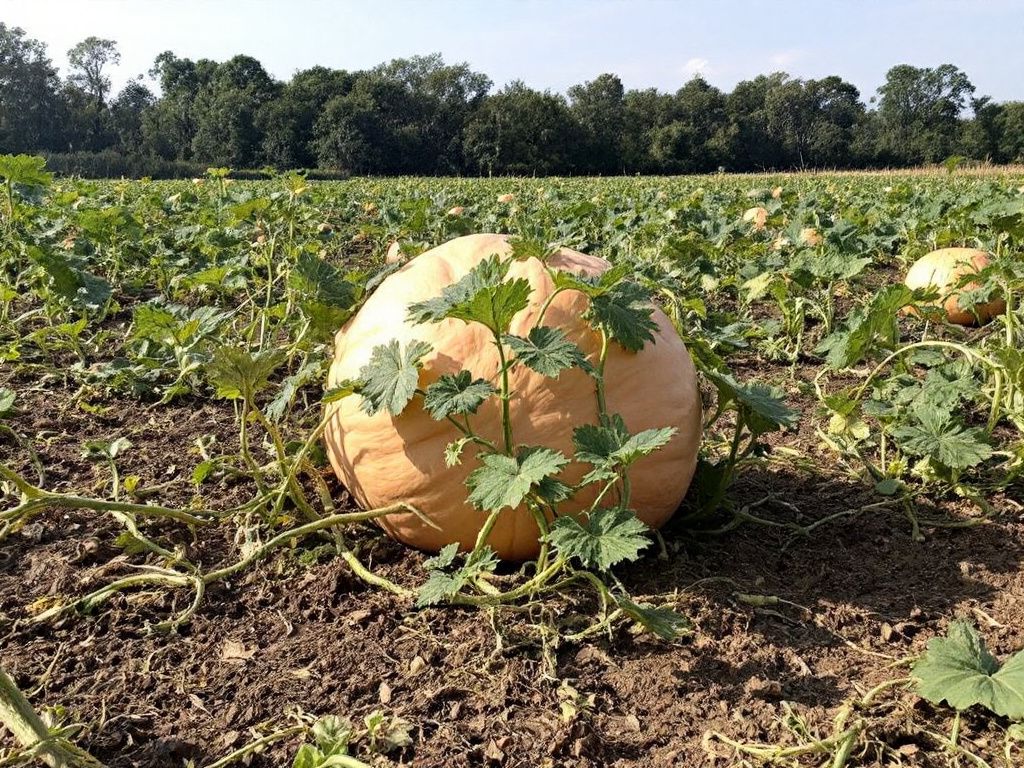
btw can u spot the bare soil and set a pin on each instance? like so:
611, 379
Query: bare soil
782, 623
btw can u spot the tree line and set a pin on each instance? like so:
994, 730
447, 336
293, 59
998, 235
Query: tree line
422, 116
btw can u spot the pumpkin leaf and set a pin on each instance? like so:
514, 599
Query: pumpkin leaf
625, 312
344, 389
314, 278
333, 734
937, 437
495, 307
609, 445
7, 398
442, 559
456, 393
553, 491
504, 481
389, 380
325, 295
591, 285
74, 285
608, 537
762, 407
482, 296
664, 622
26, 170
237, 374
311, 371
959, 670
441, 585
546, 350
453, 451
868, 331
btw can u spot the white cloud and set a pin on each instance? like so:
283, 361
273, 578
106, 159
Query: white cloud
696, 66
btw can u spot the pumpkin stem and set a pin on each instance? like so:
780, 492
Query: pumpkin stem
506, 415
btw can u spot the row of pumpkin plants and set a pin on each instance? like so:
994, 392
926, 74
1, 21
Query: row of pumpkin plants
511, 397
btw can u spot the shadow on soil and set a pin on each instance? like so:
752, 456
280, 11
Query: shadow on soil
858, 580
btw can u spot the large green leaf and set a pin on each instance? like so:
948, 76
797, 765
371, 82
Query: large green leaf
482, 296
237, 374
608, 537
503, 481
74, 285
939, 437
456, 393
26, 170
762, 407
664, 622
959, 670
444, 581
546, 350
609, 445
389, 380
625, 313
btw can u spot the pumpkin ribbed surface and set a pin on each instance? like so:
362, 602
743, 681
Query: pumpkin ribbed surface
384, 459
941, 270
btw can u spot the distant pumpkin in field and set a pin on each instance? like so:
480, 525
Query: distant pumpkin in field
810, 236
394, 253
757, 217
941, 271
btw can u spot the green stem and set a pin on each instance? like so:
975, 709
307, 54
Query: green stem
967, 352
505, 395
294, 533
63, 501
484, 533
250, 462
527, 588
17, 714
258, 744
602, 406
548, 300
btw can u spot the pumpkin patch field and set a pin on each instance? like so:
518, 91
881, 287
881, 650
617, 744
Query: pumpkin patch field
690, 471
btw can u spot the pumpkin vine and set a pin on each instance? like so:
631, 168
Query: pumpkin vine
578, 548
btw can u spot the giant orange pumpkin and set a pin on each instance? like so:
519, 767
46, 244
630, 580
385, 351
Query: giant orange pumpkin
384, 459
941, 270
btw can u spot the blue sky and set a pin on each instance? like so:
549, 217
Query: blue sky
552, 44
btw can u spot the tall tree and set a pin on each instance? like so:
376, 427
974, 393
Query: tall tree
757, 147
29, 94
695, 140
438, 100
286, 122
813, 120
169, 126
599, 109
522, 131
88, 61
920, 110
1011, 132
839, 111
981, 133
126, 113
226, 131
